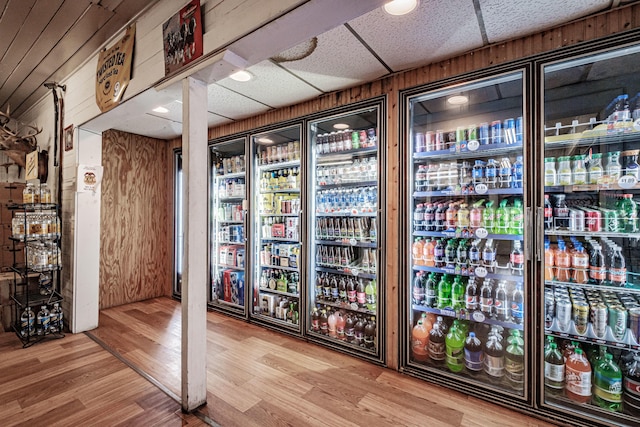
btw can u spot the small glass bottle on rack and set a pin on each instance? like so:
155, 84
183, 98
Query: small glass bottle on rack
614, 169
564, 171
45, 193
550, 174
594, 171
579, 171
28, 193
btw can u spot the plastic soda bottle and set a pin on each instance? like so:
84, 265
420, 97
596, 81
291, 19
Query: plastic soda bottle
563, 263
454, 348
549, 261
494, 359
331, 324
458, 293
430, 291
370, 295
553, 370
475, 215
628, 214
516, 218
27, 323
518, 173
489, 216
473, 355
444, 292
607, 384
578, 377
502, 218
419, 342
463, 216
436, 345
42, 321
418, 289
514, 361
517, 304
550, 174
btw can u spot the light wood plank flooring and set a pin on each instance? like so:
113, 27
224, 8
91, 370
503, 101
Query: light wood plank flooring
261, 378
73, 381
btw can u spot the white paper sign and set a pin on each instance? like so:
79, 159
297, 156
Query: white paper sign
89, 178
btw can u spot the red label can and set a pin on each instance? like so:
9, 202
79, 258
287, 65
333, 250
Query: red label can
593, 220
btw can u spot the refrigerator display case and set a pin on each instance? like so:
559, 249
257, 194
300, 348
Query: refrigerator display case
344, 293
228, 226
465, 293
588, 196
276, 212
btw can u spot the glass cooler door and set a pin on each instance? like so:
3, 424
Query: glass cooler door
466, 291
590, 250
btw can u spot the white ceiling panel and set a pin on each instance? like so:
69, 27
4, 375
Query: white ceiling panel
507, 19
436, 30
272, 86
152, 126
339, 61
227, 103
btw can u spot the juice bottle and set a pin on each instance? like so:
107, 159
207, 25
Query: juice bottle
428, 253
549, 262
580, 265
419, 342
340, 324
417, 251
463, 216
578, 377
331, 323
563, 263
475, 215
550, 175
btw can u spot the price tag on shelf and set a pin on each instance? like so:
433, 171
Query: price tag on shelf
478, 316
354, 211
627, 181
355, 271
480, 272
354, 306
636, 125
353, 242
473, 145
448, 312
482, 233
482, 189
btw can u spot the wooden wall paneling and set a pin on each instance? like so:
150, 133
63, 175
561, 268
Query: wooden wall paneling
134, 258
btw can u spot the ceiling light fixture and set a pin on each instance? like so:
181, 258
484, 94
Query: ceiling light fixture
241, 76
400, 7
458, 100
160, 110
265, 140
341, 126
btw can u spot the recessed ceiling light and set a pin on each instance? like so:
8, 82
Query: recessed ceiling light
341, 126
458, 100
241, 76
265, 140
161, 110
400, 7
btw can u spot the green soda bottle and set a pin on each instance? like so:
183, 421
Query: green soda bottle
454, 348
457, 293
516, 218
607, 384
444, 292
628, 214
489, 216
514, 361
502, 219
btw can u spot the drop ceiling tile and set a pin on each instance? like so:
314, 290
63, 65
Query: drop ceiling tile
338, 61
152, 126
436, 30
530, 17
272, 86
227, 103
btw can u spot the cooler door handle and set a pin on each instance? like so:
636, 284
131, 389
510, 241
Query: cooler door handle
539, 226
300, 226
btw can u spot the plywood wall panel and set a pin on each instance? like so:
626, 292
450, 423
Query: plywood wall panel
135, 260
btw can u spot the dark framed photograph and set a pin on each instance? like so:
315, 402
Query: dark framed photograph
68, 138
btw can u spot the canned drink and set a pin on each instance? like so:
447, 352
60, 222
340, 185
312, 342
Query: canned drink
472, 133
461, 134
593, 220
483, 133
610, 224
618, 321
599, 319
430, 141
519, 137
563, 313
364, 141
496, 132
372, 137
355, 140
576, 220
439, 138
420, 143
450, 140
509, 131
634, 322
549, 310
580, 316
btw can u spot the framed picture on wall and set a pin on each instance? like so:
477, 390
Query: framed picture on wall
68, 138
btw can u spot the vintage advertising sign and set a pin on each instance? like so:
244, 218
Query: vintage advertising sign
114, 71
89, 178
31, 169
182, 36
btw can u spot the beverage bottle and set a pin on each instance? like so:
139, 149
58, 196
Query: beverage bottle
514, 361
494, 359
340, 325
418, 218
428, 251
436, 346
331, 324
440, 216
518, 173
370, 295
349, 329
451, 216
443, 176
334, 289
579, 171
475, 215
471, 295
359, 331
27, 323
578, 377
373, 230
628, 214
550, 174
607, 384
549, 261
431, 295
597, 266
418, 289
324, 322
561, 212
516, 259
473, 355
489, 216
429, 223
342, 290
432, 177
564, 171
491, 174
361, 296
465, 177
579, 265
351, 291
595, 171
474, 253
331, 257
438, 254
516, 218
366, 260
501, 305
504, 173
614, 169
450, 253
478, 172
315, 320
617, 268
489, 256
458, 293
370, 333
563, 263
42, 321
517, 304
553, 370
462, 256
631, 385
54, 323
419, 342
486, 298
463, 216
421, 178
444, 292
548, 213
502, 218
454, 348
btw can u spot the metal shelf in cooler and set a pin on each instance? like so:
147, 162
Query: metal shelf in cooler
509, 277
457, 235
344, 343
281, 165
446, 193
347, 214
577, 188
232, 175
230, 222
270, 215
482, 151
475, 316
345, 306
578, 140
230, 267
348, 271
345, 153
278, 267
277, 191
347, 242
275, 291
231, 199
228, 303
275, 321
628, 286
228, 242
279, 239
591, 234
348, 185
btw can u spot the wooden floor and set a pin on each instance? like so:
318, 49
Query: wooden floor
261, 378
75, 382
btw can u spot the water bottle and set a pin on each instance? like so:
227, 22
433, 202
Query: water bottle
518, 172
27, 319
42, 321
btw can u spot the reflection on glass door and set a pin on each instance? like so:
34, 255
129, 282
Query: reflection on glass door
178, 232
